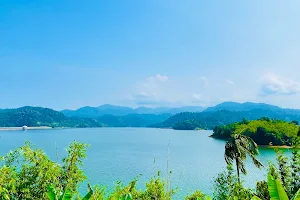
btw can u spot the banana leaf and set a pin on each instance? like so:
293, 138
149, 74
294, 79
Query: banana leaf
276, 189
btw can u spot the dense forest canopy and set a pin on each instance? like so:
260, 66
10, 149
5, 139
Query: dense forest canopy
264, 131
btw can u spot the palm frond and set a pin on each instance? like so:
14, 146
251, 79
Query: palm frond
256, 162
229, 153
242, 166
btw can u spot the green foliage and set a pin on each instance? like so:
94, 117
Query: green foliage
197, 195
51, 194
276, 189
283, 182
255, 198
72, 174
98, 193
188, 125
263, 131
262, 190
26, 173
287, 171
155, 189
227, 187
7, 182
88, 195
65, 195
33, 176
224, 184
297, 195
120, 191
241, 193
284, 172
295, 168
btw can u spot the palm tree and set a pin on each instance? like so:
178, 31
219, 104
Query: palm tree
237, 148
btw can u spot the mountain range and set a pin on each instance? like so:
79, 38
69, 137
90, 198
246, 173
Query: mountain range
108, 109
226, 113
189, 117
234, 106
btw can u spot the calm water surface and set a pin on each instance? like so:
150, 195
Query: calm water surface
121, 154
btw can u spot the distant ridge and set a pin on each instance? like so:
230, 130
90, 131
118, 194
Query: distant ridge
234, 106
108, 109
226, 113
188, 117
93, 112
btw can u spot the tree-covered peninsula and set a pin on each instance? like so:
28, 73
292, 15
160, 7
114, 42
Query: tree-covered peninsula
264, 131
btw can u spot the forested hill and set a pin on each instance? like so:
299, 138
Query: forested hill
263, 131
222, 114
211, 119
37, 116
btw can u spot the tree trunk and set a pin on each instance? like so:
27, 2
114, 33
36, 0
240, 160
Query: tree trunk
238, 170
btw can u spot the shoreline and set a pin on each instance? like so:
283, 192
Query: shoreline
274, 147
22, 128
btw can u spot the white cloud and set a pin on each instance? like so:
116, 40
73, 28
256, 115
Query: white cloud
150, 92
276, 85
204, 80
229, 82
197, 96
144, 98
158, 77
161, 78
201, 100
159, 90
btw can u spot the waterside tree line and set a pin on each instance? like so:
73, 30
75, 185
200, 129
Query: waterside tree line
28, 173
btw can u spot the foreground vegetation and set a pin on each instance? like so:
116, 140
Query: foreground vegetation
27, 173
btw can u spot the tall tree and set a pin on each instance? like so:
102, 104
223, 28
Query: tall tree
237, 148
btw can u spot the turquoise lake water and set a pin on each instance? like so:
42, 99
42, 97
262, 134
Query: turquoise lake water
121, 154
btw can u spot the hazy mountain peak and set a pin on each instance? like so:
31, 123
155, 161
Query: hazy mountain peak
88, 111
235, 106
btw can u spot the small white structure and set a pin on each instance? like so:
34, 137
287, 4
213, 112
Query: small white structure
25, 128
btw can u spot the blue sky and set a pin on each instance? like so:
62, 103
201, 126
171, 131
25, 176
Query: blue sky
67, 54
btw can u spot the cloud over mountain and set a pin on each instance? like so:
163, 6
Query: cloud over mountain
276, 85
